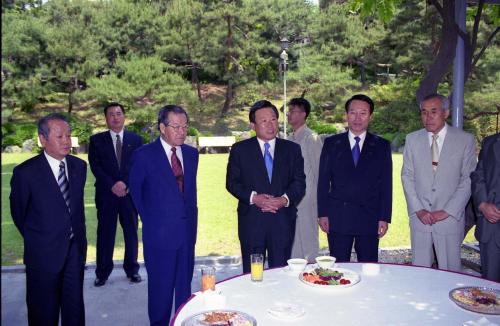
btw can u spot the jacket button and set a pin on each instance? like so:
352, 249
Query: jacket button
433, 189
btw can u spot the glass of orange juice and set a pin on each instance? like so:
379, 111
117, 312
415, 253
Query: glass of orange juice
207, 278
257, 267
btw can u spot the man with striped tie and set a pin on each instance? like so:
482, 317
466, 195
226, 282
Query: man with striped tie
46, 204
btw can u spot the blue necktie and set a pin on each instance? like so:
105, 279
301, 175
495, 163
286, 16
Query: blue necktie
356, 151
269, 161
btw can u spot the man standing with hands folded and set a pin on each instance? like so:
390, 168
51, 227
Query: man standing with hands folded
266, 175
437, 163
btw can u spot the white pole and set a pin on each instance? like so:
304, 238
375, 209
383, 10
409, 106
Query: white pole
284, 99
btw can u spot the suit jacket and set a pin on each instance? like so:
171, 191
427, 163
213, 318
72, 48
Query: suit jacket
486, 187
355, 198
448, 188
40, 213
104, 165
169, 217
246, 172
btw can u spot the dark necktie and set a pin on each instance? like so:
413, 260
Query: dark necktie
268, 159
118, 149
63, 183
177, 169
356, 151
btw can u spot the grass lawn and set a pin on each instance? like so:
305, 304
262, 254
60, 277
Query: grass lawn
217, 226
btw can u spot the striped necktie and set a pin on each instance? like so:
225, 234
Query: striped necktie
63, 183
268, 159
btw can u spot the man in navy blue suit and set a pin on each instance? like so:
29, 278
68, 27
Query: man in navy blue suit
355, 186
266, 175
163, 186
46, 204
109, 158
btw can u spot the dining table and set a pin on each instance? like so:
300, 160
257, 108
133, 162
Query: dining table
383, 294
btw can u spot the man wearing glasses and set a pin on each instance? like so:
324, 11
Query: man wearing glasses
163, 187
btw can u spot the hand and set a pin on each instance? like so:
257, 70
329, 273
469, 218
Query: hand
490, 212
119, 189
425, 216
439, 216
324, 224
383, 226
265, 203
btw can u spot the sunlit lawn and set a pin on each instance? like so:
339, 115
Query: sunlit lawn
217, 227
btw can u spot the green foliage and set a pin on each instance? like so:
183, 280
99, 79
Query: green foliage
81, 129
17, 133
192, 131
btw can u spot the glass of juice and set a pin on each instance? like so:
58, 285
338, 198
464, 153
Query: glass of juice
257, 267
207, 278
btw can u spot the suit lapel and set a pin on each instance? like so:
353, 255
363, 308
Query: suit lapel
73, 178
367, 151
257, 154
345, 152
166, 168
47, 174
108, 143
496, 148
278, 160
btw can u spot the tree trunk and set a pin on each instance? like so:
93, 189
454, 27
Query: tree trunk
195, 81
228, 70
440, 67
70, 102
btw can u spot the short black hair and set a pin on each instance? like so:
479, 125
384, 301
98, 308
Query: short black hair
164, 111
360, 97
109, 105
445, 102
43, 123
301, 103
261, 105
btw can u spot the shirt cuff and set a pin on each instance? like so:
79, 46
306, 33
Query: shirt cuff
287, 200
253, 193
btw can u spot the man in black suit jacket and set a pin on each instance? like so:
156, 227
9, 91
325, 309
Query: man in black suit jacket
46, 204
109, 157
266, 175
355, 186
486, 195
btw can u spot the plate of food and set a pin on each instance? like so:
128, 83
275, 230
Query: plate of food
330, 278
478, 299
220, 317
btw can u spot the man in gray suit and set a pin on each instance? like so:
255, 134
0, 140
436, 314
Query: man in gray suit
437, 163
486, 194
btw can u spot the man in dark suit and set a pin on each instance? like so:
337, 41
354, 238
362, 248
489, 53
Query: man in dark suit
46, 204
266, 175
163, 186
486, 195
355, 186
109, 158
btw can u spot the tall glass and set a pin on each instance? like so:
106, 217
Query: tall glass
207, 278
257, 267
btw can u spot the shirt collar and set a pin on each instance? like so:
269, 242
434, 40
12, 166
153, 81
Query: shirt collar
113, 134
271, 143
351, 136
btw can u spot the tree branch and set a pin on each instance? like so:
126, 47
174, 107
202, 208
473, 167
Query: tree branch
438, 7
488, 42
482, 114
477, 20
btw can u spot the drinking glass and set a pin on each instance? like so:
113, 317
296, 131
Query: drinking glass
257, 267
207, 278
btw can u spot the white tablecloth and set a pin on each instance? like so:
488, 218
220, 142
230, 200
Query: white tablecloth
398, 295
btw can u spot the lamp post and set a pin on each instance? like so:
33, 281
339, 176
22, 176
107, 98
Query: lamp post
283, 66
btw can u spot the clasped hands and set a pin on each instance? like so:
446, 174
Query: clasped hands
430, 218
490, 212
268, 203
119, 189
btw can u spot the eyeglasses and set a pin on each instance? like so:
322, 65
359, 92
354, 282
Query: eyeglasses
177, 127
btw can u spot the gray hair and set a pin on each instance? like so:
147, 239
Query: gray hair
43, 123
445, 102
164, 111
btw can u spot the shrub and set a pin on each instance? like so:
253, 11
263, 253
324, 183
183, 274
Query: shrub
17, 133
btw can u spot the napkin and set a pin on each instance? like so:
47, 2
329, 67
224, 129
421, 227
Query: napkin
483, 321
286, 310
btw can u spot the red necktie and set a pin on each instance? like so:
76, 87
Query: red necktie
177, 169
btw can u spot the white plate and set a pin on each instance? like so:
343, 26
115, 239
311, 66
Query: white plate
198, 319
348, 275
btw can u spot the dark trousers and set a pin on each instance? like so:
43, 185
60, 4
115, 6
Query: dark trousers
107, 216
168, 270
277, 256
48, 294
366, 247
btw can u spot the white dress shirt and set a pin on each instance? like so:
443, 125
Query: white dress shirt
440, 139
113, 137
168, 150
352, 141
54, 165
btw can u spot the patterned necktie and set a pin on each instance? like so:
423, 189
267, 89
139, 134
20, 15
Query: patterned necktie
177, 169
118, 149
356, 151
63, 183
435, 152
268, 159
